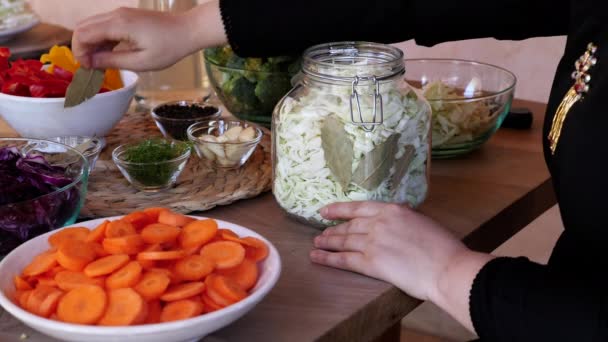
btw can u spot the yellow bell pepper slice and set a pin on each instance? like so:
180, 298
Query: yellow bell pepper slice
62, 57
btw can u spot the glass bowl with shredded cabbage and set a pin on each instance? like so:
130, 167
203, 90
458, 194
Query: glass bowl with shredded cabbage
469, 101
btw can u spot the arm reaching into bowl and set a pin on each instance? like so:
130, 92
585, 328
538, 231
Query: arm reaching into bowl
140, 40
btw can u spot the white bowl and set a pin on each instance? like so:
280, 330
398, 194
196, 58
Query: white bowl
8, 34
46, 117
186, 330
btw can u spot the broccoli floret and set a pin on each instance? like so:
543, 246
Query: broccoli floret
235, 62
219, 55
241, 94
271, 89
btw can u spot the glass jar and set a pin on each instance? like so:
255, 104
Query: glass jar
184, 80
351, 129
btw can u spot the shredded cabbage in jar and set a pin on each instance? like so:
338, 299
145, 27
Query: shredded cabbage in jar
457, 122
303, 179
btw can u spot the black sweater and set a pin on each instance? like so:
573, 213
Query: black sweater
512, 299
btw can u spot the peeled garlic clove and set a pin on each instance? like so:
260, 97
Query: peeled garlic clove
206, 153
247, 134
234, 153
233, 133
221, 139
208, 137
218, 150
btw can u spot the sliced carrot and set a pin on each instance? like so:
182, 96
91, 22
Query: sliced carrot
217, 298
173, 219
24, 297
256, 249
154, 212
138, 219
83, 305
160, 233
154, 310
21, 284
148, 264
162, 255
53, 271
75, 255
210, 304
69, 280
224, 254
183, 291
68, 234
125, 307
98, 248
106, 265
97, 234
42, 263
119, 228
181, 309
245, 274
198, 233
193, 267
49, 304
46, 281
227, 288
224, 233
37, 298
152, 285
128, 244
128, 276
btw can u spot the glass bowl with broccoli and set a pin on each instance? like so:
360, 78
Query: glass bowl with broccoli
249, 88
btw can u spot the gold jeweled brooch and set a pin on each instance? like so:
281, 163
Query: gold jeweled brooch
581, 79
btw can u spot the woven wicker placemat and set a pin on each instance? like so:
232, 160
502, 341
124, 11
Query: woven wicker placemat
199, 187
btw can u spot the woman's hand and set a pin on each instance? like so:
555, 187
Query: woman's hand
136, 39
388, 242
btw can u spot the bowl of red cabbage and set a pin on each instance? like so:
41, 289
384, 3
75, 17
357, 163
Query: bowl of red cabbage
42, 187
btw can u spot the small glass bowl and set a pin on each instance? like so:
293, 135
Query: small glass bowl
153, 176
90, 151
176, 128
223, 154
22, 220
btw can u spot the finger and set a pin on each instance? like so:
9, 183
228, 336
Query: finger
342, 243
350, 210
92, 38
355, 226
351, 261
130, 60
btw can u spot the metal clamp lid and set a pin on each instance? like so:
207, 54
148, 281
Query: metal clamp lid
367, 126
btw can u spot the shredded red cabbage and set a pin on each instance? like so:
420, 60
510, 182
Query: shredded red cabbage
23, 212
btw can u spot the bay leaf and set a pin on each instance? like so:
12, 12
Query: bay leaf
85, 84
338, 150
376, 164
402, 165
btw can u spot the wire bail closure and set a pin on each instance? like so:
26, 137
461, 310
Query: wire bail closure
367, 126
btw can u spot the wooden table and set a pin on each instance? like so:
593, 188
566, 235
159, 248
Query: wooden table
484, 198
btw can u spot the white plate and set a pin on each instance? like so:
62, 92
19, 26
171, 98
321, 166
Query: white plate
6, 35
185, 330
